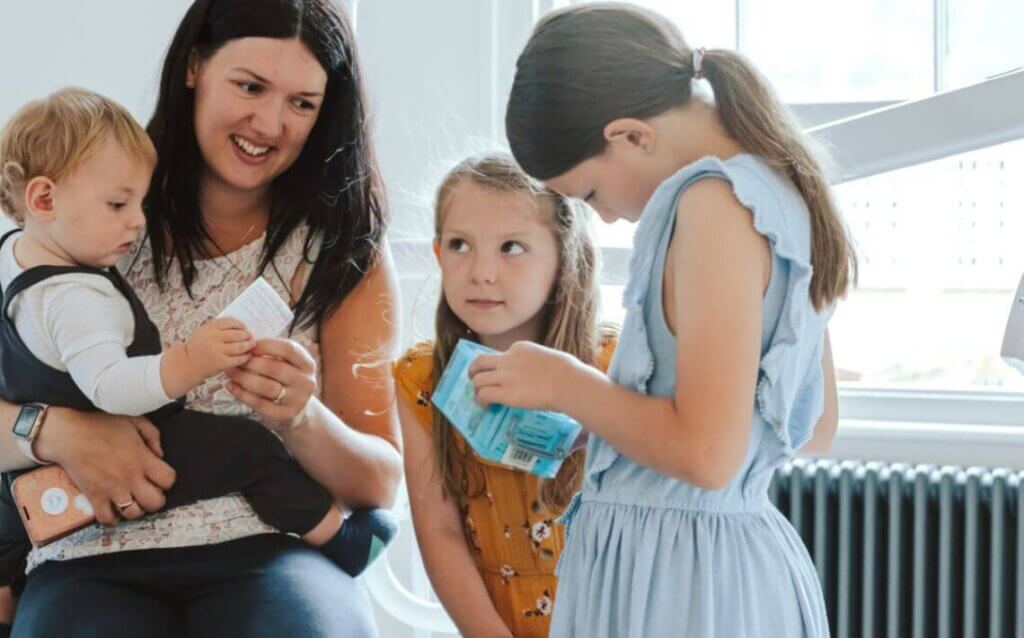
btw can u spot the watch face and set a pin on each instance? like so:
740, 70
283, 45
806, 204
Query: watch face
26, 420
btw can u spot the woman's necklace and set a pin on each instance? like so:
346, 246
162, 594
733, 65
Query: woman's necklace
247, 278
241, 244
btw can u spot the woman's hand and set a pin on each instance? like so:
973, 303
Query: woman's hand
524, 376
112, 459
278, 382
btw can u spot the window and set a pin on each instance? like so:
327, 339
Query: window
938, 242
982, 40
862, 51
859, 52
940, 256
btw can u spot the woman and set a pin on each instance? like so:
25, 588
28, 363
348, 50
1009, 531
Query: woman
264, 169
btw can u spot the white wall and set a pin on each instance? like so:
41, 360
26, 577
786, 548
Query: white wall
429, 93
114, 47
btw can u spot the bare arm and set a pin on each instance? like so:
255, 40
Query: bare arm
112, 459
719, 265
827, 426
350, 441
442, 542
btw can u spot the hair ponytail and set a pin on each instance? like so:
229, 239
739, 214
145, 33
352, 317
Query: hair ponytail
591, 64
753, 115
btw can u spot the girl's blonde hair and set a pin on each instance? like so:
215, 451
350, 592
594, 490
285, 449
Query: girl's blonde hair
589, 65
570, 322
53, 136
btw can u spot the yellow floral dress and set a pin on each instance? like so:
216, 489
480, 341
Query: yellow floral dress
514, 539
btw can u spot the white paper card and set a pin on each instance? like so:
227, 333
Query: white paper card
261, 309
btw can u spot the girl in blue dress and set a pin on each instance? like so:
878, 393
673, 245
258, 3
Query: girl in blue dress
724, 367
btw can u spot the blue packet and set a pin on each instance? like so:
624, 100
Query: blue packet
530, 440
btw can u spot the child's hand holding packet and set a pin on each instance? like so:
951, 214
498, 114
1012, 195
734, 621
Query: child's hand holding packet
530, 440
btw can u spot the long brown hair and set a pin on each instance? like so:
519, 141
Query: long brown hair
334, 185
570, 325
588, 65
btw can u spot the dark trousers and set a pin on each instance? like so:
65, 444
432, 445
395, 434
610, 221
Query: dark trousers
213, 455
270, 586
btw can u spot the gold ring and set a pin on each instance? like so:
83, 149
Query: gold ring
280, 395
123, 506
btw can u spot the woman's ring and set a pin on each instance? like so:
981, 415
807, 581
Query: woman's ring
280, 395
123, 506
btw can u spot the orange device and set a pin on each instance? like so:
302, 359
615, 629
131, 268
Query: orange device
51, 506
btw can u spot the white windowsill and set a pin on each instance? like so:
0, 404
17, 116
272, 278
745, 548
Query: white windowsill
961, 444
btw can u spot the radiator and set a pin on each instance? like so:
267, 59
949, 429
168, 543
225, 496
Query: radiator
914, 551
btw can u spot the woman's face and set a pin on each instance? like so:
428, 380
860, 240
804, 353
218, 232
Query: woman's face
256, 100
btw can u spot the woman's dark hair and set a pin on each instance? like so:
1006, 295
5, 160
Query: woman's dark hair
591, 64
333, 185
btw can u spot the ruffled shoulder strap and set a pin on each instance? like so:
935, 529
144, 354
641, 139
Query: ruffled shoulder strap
790, 390
790, 383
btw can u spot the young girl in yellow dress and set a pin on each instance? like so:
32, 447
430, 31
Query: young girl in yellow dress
517, 264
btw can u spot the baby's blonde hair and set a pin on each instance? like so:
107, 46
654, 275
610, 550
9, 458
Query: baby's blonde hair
53, 136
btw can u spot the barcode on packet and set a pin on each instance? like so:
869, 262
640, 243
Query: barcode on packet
520, 459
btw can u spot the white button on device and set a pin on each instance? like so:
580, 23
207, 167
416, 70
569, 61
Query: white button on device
83, 505
54, 501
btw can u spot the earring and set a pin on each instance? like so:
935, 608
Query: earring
190, 84
647, 148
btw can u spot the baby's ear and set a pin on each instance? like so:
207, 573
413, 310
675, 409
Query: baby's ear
436, 245
39, 198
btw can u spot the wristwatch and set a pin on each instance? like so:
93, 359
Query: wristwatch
26, 428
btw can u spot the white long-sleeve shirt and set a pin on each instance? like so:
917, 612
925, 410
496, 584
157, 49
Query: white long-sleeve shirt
81, 324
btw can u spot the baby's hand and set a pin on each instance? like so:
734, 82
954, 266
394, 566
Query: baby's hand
219, 345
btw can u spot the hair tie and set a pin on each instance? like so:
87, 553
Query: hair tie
698, 63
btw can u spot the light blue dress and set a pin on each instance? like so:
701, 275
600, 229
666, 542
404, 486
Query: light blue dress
647, 555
